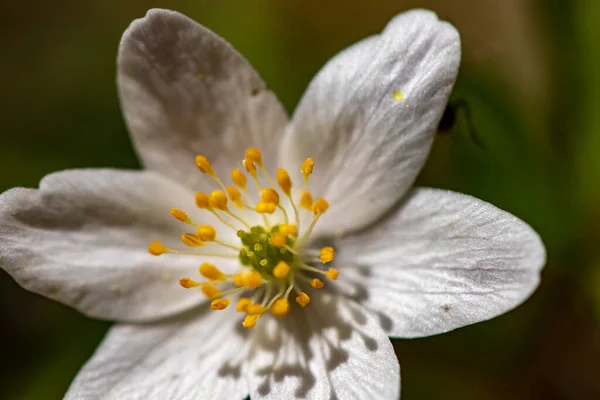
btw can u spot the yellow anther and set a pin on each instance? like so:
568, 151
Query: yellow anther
235, 196
242, 304
317, 283
210, 290
307, 167
281, 270
265, 208
327, 254
157, 248
240, 279
269, 195
206, 233
306, 200
254, 155
398, 95
303, 299
280, 308
249, 166
284, 181
191, 240
219, 304
332, 274
254, 280
238, 178
204, 165
278, 240
250, 321
181, 215
319, 206
188, 283
210, 272
202, 200
288, 229
218, 200
255, 309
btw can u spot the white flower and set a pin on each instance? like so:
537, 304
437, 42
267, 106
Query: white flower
411, 262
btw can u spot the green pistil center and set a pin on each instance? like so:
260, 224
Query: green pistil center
259, 254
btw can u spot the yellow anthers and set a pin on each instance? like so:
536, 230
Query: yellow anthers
206, 233
307, 167
254, 280
319, 206
191, 240
204, 165
303, 299
281, 270
218, 200
255, 309
209, 290
188, 283
254, 155
265, 208
284, 181
249, 166
332, 274
269, 195
157, 248
211, 272
327, 254
288, 229
242, 304
235, 196
306, 200
181, 215
250, 279
317, 283
220, 304
238, 178
278, 240
398, 95
280, 308
250, 321
202, 200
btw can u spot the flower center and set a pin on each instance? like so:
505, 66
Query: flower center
273, 258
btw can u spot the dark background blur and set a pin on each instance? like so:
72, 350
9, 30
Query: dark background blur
530, 73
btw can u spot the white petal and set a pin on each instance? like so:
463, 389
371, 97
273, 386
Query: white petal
197, 356
367, 146
332, 349
442, 261
82, 239
186, 91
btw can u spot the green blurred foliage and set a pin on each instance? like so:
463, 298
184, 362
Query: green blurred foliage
540, 161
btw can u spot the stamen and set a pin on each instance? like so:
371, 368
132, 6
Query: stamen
210, 290
284, 181
278, 240
218, 200
242, 305
332, 274
256, 309
281, 270
188, 283
254, 155
307, 168
157, 249
288, 230
235, 196
191, 240
220, 304
317, 283
211, 272
269, 195
204, 165
265, 208
327, 254
250, 321
181, 215
306, 200
319, 206
280, 308
202, 201
303, 299
206, 233
250, 168
239, 178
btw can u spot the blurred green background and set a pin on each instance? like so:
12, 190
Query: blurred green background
531, 74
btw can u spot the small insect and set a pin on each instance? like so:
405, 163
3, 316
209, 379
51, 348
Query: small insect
449, 119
